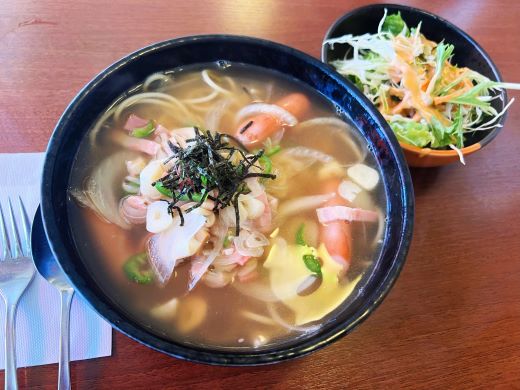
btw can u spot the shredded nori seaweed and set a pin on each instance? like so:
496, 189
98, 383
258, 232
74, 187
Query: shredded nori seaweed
206, 166
247, 126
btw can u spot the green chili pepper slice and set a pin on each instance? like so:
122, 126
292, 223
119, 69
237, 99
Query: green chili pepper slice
311, 262
143, 132
163, 190
273, 150
167, 192
138, 270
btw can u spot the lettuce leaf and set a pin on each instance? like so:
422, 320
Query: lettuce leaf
443, 53
413, 133
434, 134
356, 81
442, 135
395, 25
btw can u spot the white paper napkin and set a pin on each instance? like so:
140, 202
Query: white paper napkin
38, 315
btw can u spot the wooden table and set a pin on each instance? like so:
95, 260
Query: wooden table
453, 318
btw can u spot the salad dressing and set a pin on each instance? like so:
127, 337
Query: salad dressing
416, 98
428, 101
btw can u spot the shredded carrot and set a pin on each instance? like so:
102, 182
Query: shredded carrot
403, 104
446, 98
396, 92
411, 78
424, 85
468, 83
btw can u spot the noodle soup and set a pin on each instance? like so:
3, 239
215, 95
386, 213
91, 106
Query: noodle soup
226, 205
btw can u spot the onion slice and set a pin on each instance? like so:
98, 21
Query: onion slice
324, 121
99, 193
168, 247
343, 213
279, 320
254, 186
302, 204
256, 240
133, 209
180, 135
345, 132
242, 247
380, 229
217, 279
214, 117
258, 318
220, 232
259, 291
314, 154
284, 116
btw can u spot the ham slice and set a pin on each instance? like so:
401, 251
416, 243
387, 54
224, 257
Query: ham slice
264, 222
134, 122
237, 258
138, 144
143, 145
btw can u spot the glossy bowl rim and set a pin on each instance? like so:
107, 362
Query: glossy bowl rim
223, 357
469, 149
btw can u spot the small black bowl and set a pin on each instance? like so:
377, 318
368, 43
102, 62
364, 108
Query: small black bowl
97, 95
467, 53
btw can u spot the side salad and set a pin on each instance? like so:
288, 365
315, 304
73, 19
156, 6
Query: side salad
427, 100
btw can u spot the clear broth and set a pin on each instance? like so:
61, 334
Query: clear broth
104, 247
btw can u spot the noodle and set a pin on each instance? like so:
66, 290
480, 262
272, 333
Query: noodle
230, 224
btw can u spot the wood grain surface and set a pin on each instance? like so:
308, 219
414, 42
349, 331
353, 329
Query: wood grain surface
453, 318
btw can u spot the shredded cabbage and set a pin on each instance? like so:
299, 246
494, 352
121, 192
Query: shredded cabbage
427, 100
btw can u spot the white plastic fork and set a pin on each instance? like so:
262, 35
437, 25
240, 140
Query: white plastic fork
16, 272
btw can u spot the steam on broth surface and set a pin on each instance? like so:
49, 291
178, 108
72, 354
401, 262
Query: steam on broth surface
226, 206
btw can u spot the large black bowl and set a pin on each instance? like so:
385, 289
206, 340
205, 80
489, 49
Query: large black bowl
97, 95
467, 53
